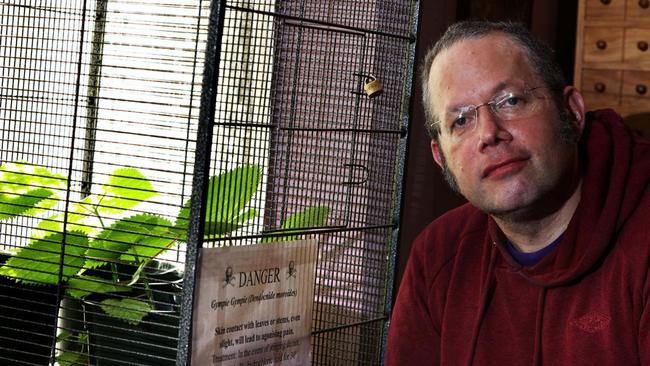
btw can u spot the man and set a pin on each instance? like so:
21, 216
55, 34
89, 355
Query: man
548, 263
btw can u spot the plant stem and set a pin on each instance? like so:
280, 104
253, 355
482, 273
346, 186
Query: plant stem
116, 277
96, 212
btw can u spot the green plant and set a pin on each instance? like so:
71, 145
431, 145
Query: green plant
101, 231
96, 238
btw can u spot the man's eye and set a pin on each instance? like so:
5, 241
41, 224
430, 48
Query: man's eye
459, 122
511, 101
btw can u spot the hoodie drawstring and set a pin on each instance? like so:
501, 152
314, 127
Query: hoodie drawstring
537, 354
488, 287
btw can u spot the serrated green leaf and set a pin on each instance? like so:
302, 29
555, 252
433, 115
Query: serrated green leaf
218, 229
178, 233
76, 348
28, 189
38, 263
133, 239
230, 192
309, 218
246, 216
12, 205
54, 224
182, 222
228, 195
64, 335
46, 227
79, 218
85, 285
83, 338
129, 310
23, 176
151, 244
72, 359
125, 188
83, 209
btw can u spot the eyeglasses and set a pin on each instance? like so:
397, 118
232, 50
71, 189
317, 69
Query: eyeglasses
509, 105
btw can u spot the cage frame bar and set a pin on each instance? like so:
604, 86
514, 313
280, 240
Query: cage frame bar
200, 181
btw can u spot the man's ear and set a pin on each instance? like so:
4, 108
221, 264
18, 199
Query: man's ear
435, 151
575, 105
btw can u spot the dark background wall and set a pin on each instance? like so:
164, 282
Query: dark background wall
427, 195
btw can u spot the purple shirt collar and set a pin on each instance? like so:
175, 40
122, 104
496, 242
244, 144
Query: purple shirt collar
530, 259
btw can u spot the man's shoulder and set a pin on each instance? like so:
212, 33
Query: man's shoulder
641, 152
458, 222
636, 199
442, 238
637, 221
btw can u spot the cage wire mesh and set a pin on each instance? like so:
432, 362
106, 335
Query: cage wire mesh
100, 103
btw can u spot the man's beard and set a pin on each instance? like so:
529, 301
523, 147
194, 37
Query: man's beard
448, 175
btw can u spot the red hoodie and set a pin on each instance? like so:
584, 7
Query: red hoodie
465, 301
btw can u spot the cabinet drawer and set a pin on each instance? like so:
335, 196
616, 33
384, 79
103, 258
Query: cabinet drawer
636, 92
604, 82
605, 9
636, 84
603, 44
637, 45
638, 10
601, 88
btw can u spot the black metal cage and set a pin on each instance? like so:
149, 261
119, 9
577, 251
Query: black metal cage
136, 133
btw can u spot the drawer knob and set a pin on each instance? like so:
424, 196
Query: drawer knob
601, 44
605, 2
644, 4
642, 45
641, 89
600, 87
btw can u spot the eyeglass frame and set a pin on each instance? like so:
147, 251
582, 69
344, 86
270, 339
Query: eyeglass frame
492, 104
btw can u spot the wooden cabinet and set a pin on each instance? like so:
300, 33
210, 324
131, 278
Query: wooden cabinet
604, 10
603, 44
613, 55
601, 88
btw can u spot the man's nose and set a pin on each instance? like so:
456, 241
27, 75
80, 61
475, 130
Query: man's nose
488, 126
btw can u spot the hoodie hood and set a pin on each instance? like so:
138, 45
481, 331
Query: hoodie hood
615, 175
462, 299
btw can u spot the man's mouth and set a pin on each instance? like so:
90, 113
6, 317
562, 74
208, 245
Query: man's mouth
505, 167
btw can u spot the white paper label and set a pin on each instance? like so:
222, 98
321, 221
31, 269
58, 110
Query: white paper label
253, 305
